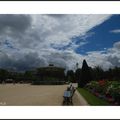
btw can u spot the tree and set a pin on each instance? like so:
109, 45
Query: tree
77, 74
70, 76
116, 73
98, 73
85, 75
3, 74
28, 76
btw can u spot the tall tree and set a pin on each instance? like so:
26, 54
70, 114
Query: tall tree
85, 75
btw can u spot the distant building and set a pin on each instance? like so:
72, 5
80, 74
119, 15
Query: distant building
50, 75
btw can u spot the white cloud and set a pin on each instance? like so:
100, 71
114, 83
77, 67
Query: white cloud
60, 30
98, 58
108, 59
32, 36
115, 31
117, 45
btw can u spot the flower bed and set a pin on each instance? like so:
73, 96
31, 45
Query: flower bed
107, 90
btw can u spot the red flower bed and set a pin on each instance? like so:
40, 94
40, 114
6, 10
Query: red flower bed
102, 82
107, 90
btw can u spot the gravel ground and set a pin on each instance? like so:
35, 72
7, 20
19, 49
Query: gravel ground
34, 95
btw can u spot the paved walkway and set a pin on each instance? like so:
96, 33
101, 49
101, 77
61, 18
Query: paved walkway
35, 95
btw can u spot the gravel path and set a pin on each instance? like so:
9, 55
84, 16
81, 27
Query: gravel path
34, 95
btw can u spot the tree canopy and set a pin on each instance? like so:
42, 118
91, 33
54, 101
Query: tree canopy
85, 75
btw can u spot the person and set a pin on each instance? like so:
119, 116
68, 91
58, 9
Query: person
67, 95
67, 92
71, 86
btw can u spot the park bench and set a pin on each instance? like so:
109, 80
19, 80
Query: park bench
68, 95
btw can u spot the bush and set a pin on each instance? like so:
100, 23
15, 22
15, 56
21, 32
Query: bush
109, 89
114, 90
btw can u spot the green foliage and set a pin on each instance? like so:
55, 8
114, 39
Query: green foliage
70, 76
114, 90
3, 74
77, 74
108, 89
85, 75
92, 99
98, 73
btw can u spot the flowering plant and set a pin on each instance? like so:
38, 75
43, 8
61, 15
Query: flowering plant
110, 90
102, 82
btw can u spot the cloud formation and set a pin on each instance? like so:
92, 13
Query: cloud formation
115, 31
106, 59
30, 41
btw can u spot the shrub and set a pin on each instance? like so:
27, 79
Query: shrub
109, 89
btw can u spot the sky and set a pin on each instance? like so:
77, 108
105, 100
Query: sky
37, 40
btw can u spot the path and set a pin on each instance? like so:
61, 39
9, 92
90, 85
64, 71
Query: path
36, 95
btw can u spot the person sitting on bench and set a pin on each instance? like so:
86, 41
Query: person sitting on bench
67, 95
67, 92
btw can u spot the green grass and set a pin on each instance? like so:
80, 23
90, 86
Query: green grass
92, 99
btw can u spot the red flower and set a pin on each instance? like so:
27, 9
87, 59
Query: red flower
102, 82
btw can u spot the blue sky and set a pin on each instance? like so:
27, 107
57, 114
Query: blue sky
99, 38
30, 41
102, 38
95, 45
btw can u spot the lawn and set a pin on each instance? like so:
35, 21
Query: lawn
92, 99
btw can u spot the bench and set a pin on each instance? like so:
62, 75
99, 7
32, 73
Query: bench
68, 95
